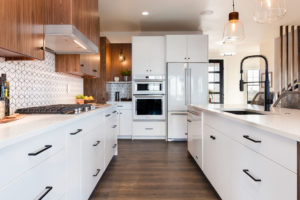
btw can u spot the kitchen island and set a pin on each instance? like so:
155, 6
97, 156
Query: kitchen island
244, 152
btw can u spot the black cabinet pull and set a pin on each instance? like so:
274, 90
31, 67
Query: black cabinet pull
212, 137
107, 115
40, 151
251, 139
189, 120
246, 171
47, 190
115, 145
94, 70
114, 111
75, 133
114, 126
82, 65
96, 144
98, 171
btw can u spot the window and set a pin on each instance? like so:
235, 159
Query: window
252, 88
216, 81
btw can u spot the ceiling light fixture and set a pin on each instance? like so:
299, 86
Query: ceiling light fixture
268, 11
145, 13
234, 29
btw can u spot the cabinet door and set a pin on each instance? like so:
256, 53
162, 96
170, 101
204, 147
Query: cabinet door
199, 83
140, 57
157, 64
191, 145
176, 48
177, 125
125, 122
22, 31
197, 48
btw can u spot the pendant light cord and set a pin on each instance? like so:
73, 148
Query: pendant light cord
233, 5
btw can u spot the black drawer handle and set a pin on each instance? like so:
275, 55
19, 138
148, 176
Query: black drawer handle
94, 70
75, 133
114, 126
96, 144
212, 137
114, 111
98, 171
251, 139
115, 145
40, 151
82, 65
47, 190
246, 171
108, 115
189, 121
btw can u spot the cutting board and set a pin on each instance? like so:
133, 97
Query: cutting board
11, 118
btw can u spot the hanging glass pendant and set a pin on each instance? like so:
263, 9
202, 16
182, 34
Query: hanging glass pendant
268, 11
234, 29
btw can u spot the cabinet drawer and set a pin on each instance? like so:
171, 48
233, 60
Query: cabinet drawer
124, 106
47, 178
149, 128
274, 147
259, 178
23, 156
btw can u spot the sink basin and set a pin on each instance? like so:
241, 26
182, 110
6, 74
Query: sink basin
243, 112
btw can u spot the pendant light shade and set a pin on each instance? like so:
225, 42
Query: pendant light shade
234, 28
268, 11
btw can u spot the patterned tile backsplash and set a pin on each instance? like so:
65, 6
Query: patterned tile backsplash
35, 83
123, 87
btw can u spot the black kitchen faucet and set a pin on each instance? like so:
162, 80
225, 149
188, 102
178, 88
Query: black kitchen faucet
266, 82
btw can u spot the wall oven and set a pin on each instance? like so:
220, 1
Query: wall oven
149, 107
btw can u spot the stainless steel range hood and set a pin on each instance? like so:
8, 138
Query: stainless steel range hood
67, 39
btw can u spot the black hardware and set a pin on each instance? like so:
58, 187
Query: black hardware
98, 171
246, 171
212, 137
94, 70
114, 112
266, 82
47, 190
40, 151
75, 133
96, 144
115, 145
82, 65
107, 115
196, 157
114, 126
189, 120
149, 129
251, 139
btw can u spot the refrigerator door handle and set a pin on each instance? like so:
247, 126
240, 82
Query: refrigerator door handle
186, 85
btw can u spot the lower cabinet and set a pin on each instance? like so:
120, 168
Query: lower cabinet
237, 172
149, 129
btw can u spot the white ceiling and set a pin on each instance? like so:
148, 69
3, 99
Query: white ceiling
184, 15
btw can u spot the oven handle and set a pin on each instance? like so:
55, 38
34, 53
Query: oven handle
148, 95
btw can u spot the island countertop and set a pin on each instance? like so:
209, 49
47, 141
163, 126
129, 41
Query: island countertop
280, 121
36, 124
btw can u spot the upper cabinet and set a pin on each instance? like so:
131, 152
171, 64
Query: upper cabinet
72, 26
22, 29
187, 48
148, 55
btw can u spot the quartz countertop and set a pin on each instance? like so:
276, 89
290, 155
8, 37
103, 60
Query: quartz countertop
280, 121
36, 124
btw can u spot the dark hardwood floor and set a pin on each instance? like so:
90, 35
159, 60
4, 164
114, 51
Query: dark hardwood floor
153, 170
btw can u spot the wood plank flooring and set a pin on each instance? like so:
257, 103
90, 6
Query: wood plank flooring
153, 170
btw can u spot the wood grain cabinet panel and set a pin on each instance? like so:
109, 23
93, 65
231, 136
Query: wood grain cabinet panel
22, 29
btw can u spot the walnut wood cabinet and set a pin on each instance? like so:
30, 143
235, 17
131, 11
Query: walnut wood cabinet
22, 29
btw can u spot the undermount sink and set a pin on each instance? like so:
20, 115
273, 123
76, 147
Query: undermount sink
243, 112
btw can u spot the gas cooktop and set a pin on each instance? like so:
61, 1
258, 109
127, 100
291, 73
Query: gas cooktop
57, 109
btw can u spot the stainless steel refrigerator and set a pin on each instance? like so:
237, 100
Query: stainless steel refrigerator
187, 84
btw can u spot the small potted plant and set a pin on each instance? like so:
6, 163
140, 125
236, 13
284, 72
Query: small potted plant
210, 94
126, 74
79, 99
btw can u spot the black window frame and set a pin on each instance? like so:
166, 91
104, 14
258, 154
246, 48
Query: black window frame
221, 82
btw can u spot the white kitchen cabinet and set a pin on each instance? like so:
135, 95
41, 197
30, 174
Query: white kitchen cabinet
177, 126
149, 130
187, 48
46, 179
148, 55
125, 123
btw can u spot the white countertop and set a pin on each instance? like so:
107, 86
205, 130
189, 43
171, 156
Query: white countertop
35, 124
280, 121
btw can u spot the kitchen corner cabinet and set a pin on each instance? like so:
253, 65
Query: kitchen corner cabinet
187, 48
83, 14
87, 65
148, 55
22, 29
